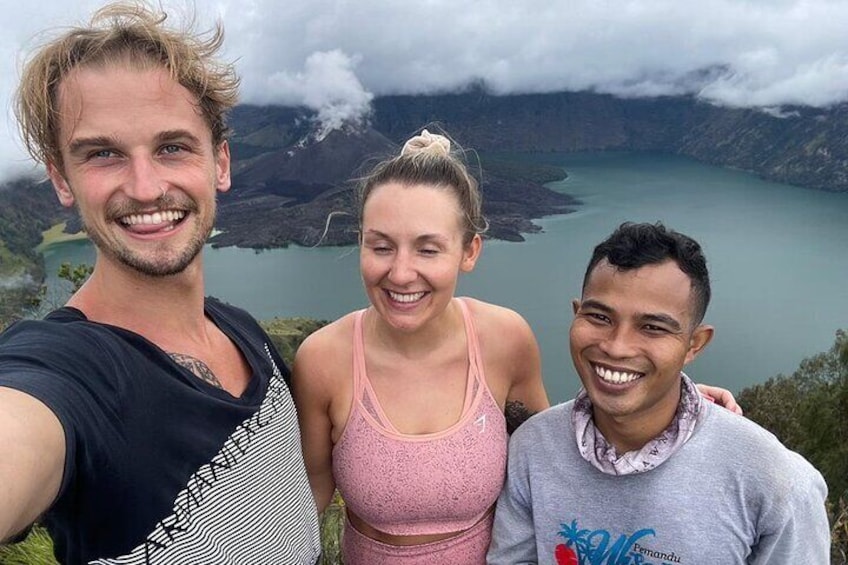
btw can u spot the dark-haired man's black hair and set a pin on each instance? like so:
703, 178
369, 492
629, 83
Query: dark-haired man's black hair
634, 245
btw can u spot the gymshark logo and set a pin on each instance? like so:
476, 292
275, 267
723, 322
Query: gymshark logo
481, 423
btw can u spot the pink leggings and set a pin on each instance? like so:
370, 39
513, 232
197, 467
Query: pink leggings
467, 548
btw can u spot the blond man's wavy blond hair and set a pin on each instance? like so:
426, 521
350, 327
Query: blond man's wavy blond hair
133, 34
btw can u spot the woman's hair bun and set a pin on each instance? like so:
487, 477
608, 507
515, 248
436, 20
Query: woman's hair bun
427, 142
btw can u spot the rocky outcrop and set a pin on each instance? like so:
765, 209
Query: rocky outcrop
305, 193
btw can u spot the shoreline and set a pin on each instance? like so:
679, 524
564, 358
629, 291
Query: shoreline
56, 234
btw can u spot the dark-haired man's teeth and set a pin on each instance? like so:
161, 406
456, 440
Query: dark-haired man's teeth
617, 377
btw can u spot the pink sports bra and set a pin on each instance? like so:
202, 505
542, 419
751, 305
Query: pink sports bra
436, 483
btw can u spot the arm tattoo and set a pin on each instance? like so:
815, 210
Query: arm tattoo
196, 366
516, 414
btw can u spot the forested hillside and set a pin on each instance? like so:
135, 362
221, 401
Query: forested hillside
808, 412
26, 209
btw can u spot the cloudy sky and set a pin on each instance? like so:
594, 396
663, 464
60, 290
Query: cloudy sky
335, 55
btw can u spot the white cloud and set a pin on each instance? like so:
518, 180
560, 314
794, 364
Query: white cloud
818, 83
332, 54
327, 84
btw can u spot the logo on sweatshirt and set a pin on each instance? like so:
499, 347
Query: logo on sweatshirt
600, 547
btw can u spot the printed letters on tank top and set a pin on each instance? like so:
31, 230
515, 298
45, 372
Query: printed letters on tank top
230, 511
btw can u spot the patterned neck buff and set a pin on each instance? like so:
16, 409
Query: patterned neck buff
601, 454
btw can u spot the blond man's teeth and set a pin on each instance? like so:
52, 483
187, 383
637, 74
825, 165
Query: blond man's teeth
617, 377
409, 297
154, 218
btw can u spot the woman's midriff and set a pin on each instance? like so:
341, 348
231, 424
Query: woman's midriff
390, 539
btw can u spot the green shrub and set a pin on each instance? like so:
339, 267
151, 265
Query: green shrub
288, 333
36, 549
808, 412
332, 525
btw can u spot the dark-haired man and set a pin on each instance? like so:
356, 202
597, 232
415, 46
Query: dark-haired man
638, 468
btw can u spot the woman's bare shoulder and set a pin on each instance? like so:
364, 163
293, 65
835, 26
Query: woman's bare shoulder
492, 319
512, 360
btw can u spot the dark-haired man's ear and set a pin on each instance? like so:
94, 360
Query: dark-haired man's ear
575, 306
702, 335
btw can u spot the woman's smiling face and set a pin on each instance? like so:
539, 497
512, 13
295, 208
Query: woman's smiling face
412, 252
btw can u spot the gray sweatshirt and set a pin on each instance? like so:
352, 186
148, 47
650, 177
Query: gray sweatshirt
732, 494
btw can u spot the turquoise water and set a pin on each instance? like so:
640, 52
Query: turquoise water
778, 257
